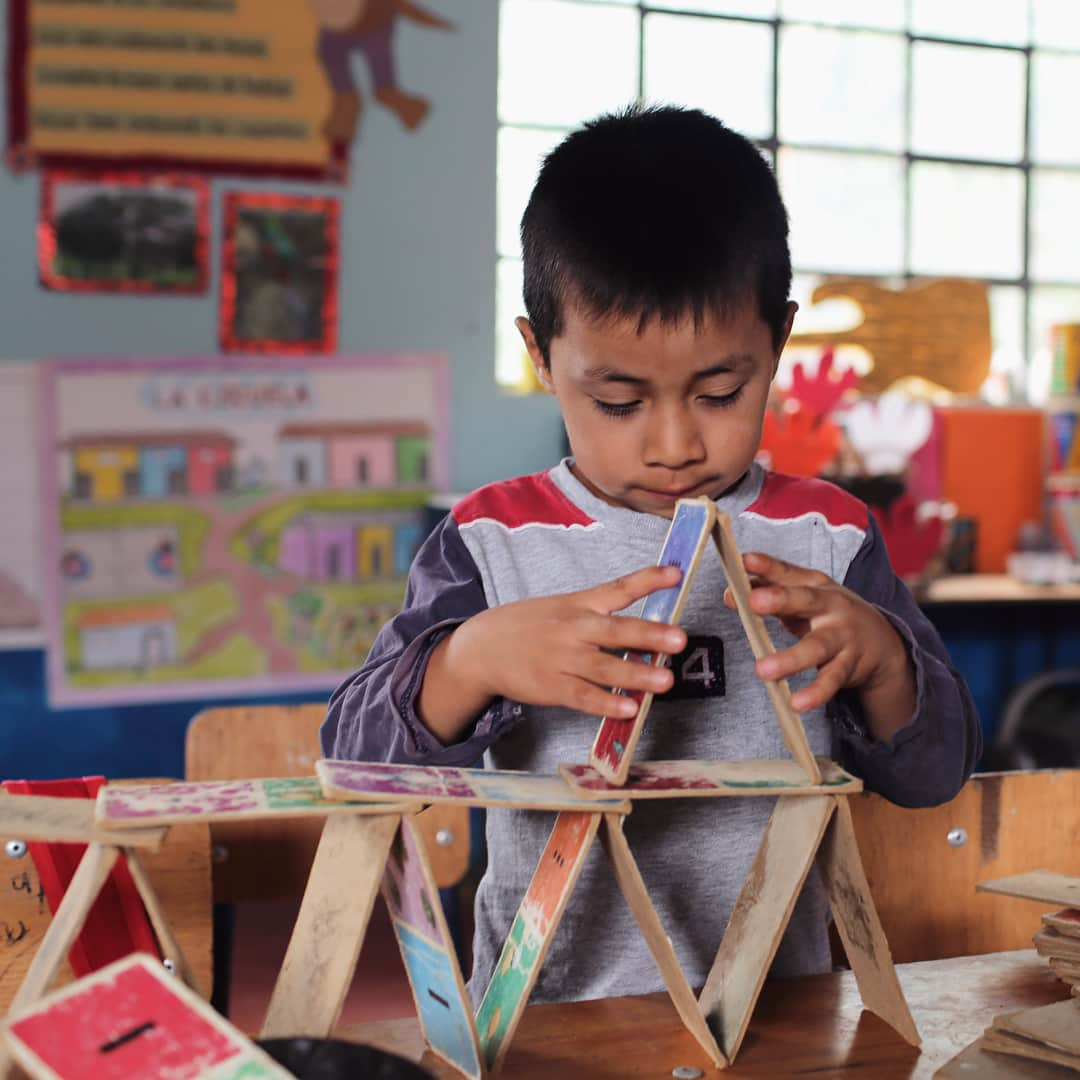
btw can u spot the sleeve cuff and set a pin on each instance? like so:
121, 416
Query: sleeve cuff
405, 683
847, 712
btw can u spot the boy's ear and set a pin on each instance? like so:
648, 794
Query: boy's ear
785, 333
540, 367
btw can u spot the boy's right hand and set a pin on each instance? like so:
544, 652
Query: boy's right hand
552, 651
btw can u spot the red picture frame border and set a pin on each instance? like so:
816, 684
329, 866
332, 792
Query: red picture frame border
330, 208
46, 235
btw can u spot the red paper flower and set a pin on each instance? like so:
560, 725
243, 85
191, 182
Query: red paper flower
798, 441
911, 543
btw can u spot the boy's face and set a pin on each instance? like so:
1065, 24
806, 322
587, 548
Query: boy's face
671, 412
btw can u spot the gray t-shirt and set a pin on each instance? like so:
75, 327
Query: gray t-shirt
546, 534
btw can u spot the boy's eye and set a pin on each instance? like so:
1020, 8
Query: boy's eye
722, 400
616, 408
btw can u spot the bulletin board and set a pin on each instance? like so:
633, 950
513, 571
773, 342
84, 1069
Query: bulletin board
232, 86
230, 525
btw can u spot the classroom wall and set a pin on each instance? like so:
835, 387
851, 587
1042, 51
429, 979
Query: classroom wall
417, 243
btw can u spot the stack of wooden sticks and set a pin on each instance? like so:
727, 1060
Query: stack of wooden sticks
1059, 937
1050, 1034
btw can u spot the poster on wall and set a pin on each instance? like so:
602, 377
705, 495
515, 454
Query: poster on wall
20, 494
279, 273
216, 86
230, 525
123, 232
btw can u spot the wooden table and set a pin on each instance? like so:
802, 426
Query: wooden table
994, 588
811, 1025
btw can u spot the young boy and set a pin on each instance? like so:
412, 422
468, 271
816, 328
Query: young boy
656, 284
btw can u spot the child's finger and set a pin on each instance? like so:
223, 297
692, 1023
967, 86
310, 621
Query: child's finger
802, 601
813, 651
583, 696
830, 680
612, 671
622, 592
623, 633
779, 572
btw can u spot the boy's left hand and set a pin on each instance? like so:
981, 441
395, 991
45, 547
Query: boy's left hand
847, 639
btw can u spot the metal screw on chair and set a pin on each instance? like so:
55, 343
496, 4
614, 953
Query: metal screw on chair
169, 966
15, 849
219, 853
686, 1072
957, 837
444, 837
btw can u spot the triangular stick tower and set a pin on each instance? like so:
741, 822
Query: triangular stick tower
369, 842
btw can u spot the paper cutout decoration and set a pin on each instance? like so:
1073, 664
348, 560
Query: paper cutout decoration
939, 331
798, 441
279, 278
911, 543
822, 392
348, 27
886, 433
123, 232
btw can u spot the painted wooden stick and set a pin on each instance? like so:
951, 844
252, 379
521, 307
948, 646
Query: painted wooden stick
613, 748
791, 725
531, 932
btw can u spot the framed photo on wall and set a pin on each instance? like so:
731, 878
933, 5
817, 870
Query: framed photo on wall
123, 232
279, 273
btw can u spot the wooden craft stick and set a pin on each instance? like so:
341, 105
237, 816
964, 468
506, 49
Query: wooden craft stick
133, 1019
859, 927
712, 779
330, 927
170, 946
124, 806
791, 725
86, 882
761, 915
1056, 1025
67, 821
613, 748
1044, 885
378, 780
427, 950
633, 888
531, 932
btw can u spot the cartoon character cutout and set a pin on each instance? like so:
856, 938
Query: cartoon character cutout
367, 26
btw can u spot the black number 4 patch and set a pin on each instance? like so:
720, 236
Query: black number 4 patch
698, 670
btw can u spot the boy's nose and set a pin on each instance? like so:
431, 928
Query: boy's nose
673, 440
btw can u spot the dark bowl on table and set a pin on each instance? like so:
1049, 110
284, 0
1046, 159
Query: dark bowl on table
334, 1059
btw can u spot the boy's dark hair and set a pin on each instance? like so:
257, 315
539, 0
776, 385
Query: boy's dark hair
654, 212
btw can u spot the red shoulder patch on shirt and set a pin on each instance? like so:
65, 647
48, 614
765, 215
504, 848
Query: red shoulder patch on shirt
526, 500
784, 498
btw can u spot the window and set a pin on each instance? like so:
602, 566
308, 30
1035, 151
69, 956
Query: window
911, 138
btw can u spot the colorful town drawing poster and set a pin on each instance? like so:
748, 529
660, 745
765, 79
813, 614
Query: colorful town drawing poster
230, 525
20, 490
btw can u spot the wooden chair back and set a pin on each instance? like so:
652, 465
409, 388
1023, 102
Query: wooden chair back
271, 860
923, 865
179, 873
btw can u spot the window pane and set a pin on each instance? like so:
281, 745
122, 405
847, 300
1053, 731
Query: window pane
1006, 379
510, 354
846, 210
966, 219
882, 14
722, 66
1055, 225
761, 9
550, 54
521, 152
967, 102
1055, 89
1054, 23
1003, 22
841, 87
1048, 306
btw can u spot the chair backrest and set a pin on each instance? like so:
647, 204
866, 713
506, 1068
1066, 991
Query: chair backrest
262, 860
179, 873
923, 865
